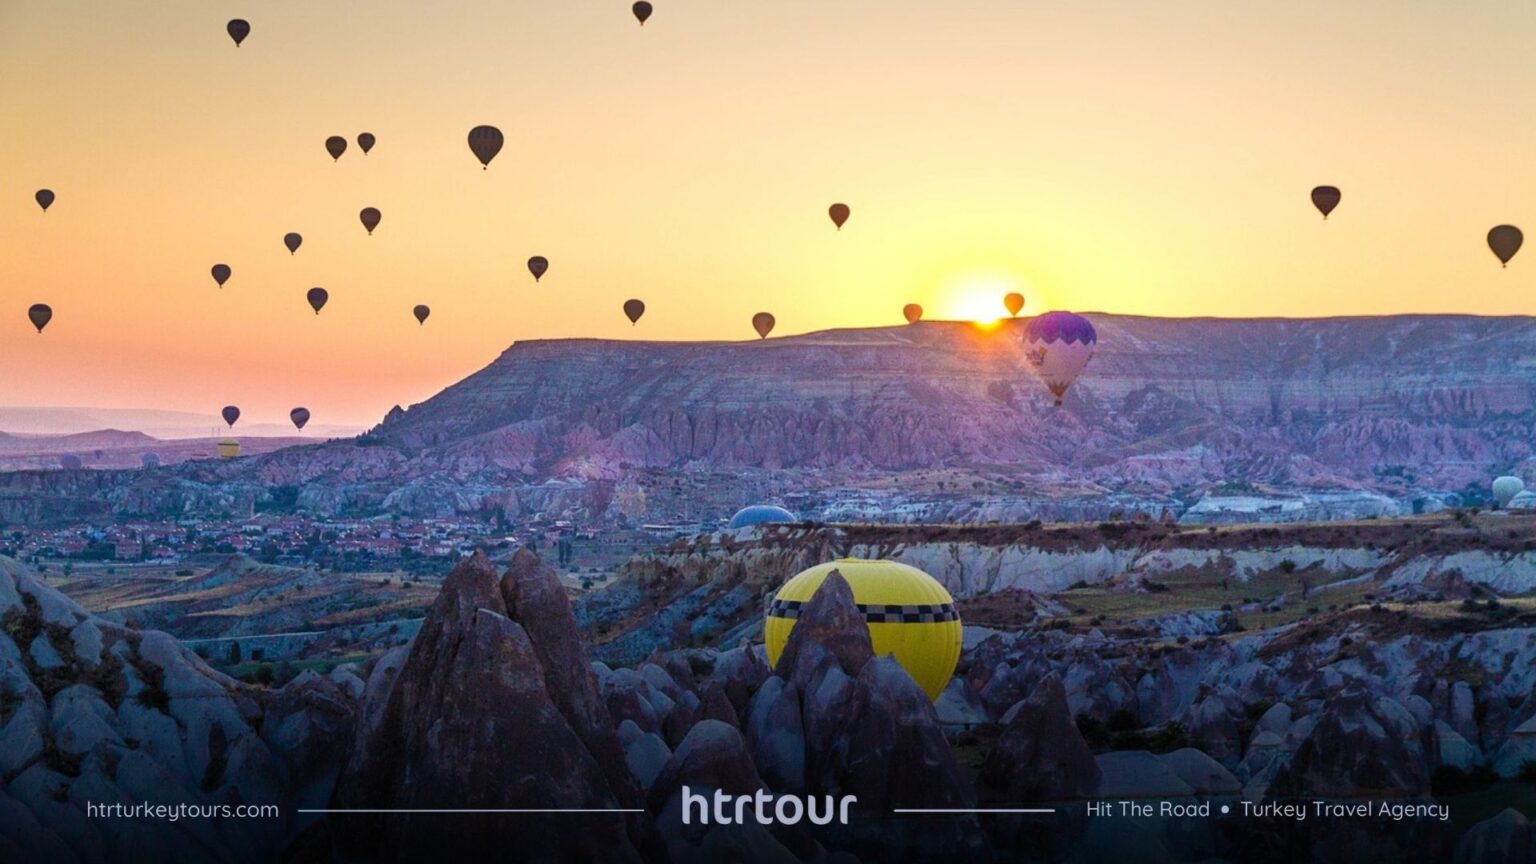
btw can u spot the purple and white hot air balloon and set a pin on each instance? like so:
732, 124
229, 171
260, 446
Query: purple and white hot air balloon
1057, 345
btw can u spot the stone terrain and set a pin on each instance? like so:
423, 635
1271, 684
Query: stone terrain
1417, 694
1320, 418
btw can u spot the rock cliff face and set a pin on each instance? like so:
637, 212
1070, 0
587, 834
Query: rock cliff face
93, 713
1176, 401
1377, 409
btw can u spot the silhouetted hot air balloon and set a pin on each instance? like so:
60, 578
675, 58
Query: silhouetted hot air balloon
633, 309
1013, 302
370, 217
299, 416
150, 460
70, 462
365, 141
839, 214
1057, 345
1505, 241
336, 145
485, 142
221, 274
40, 314
1325, 198
293, 240
913, 312
421, 313
642, 11
763, 323
538, 265
44, 198
230, 415
318, 298
238, 29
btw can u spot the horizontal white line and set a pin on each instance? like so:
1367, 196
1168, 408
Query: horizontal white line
981, 810
485, 810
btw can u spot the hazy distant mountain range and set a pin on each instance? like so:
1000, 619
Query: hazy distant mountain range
26, 421
1170, 410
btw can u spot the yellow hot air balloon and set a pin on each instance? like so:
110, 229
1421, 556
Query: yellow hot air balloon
910, 616
229, 448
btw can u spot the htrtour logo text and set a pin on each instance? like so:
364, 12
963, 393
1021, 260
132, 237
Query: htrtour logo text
765, 808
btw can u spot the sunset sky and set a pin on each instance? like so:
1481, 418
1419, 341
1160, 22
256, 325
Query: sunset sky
1137, 157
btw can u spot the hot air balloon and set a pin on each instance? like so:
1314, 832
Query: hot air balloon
1505, 241
421, 313
299, 416
221, 274
293, 240
538, 265
150, 460
370, 217
365, 141
1325, 198
642, 11
336, 145
1506, 488
44, 198
1013, 302
230, 415
229, 448
913, 313
317, 299
485, 142
761, 514
763, 323
40, 314
238, 29
910, 616
1057, 345
633, 309
71, 462
839, 214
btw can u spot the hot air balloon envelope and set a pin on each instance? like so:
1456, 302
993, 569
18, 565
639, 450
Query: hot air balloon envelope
1505, 241
421, 313
221, 274
230, 414
761, 514
70, 462
538, 265
912, 312
370, 217
909, 614
1325, 198
1057, 345
1013, 303
299, 416
238, 29
336, 145
40, 314
149, 460
44, 198
839, 214
485, 142
365, 141
1506, 488
318, 297
763, 323
293, 240
633, 309
642, 11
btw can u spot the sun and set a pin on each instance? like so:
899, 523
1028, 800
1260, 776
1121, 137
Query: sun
978, 296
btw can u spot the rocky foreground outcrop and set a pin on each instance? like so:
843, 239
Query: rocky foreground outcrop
495, 707
94, 714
